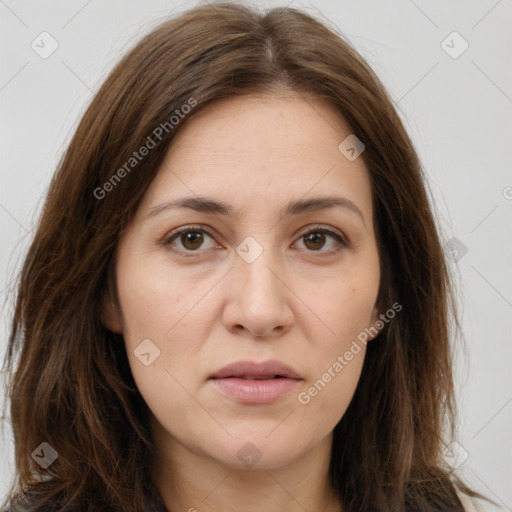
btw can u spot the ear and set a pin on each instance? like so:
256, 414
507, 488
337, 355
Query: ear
110, 316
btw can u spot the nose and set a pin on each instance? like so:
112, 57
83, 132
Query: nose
258, 298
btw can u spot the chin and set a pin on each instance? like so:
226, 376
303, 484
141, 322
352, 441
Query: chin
256, 453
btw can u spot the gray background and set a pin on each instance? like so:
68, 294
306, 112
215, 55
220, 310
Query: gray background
457, 110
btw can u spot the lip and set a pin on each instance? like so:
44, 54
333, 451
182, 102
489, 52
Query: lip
269, 368
234, 381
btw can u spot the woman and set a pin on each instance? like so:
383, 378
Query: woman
236, 296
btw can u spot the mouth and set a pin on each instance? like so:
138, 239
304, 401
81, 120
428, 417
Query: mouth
247, 377
248, 382
251, 377
251, 370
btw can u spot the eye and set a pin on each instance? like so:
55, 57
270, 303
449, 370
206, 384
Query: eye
190, 239
315, 239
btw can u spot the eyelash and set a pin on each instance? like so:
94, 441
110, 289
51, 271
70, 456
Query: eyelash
202, 229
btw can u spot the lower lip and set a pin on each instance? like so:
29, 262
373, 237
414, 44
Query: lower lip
255, 391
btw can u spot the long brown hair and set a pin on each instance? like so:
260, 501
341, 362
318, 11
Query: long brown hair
71, 386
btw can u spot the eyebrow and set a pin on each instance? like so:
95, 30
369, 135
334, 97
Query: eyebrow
301, 206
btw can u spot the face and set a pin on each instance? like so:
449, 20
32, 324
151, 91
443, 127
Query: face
200, 290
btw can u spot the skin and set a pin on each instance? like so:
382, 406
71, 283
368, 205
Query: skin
294, 303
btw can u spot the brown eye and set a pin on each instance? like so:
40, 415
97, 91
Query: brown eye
315, 240
191, 240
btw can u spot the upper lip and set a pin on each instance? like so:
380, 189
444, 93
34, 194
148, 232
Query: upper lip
269, 368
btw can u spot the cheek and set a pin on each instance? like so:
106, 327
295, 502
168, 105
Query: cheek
339, 380
336, 369
163, 321
151, 295
342, 308
168, 384
345, 306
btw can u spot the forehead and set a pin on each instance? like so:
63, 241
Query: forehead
266, 124
270, 148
